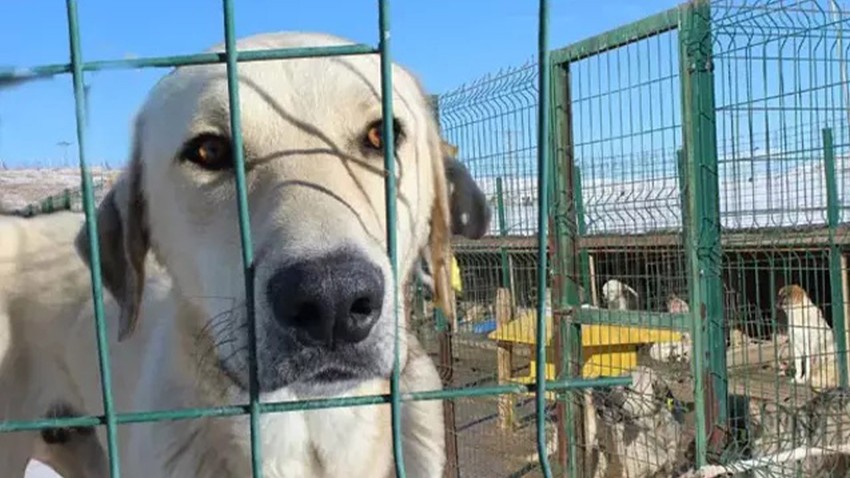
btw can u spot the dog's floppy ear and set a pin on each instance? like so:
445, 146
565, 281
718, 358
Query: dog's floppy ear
124, 241
470, 212
440, 238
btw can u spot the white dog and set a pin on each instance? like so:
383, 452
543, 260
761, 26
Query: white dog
619, 296
43, 287
809, 335
633, 433
323, 287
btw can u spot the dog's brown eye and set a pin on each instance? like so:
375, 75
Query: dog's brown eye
374, 135
209, 151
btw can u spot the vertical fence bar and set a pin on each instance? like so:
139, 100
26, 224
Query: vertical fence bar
565, 280
66, 199
837, 298
703, 247
543, 145
581, 228
245, 232
388, 139
94, 247
503, 232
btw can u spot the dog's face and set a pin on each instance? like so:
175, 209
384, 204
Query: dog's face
645, 397
791, 296
323, 284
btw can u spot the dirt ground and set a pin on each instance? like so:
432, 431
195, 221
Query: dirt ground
484, 450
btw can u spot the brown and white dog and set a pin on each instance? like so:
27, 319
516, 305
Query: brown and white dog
323, 287
810, 337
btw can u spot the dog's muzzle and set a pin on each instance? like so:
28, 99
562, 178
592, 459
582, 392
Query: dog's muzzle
330, 300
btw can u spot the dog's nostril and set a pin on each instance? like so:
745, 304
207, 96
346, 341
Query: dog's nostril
362, 314
361, 308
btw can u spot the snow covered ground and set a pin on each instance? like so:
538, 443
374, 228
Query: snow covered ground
20, 187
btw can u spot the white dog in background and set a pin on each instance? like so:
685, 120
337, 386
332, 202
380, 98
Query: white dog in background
323, 287
619, 296
44, 285
810, 336
632, 431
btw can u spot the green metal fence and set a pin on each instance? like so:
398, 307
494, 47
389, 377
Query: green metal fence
254, 408
689, 166
67, 200
699, 159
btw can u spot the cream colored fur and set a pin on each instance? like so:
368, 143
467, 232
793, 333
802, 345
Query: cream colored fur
311, 189
43, 287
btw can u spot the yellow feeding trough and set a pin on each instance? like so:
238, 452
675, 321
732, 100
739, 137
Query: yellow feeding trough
608, 350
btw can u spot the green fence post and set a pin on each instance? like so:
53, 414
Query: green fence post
66, 199
836, 287
503, 232
543, 145
581, 226
565, 265
387, 137
231, 62
703, 247
93, 243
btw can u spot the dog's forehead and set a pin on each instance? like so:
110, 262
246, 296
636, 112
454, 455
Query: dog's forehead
295, 95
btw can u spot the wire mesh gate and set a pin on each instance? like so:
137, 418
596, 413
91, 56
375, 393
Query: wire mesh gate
696, 173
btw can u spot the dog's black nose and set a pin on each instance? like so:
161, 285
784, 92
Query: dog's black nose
331, 299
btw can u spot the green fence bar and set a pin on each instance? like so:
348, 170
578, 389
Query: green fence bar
390, 193
837, 298
503, 231
581, 228
232, 58
566, 265
94, 247
634, 318
703, 247
619, 37
315, 404
8, 75
543, 145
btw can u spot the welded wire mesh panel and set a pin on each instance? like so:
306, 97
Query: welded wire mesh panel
783, 107
625, 141
493, 123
